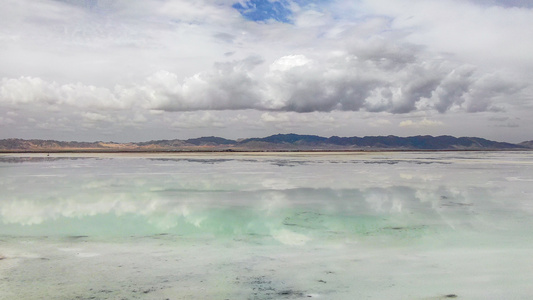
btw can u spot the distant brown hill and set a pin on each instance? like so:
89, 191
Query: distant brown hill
528, 144
278, 142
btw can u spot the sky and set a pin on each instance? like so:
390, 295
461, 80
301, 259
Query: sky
123, 70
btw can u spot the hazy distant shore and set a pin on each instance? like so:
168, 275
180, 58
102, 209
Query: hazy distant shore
274, 143
98, 151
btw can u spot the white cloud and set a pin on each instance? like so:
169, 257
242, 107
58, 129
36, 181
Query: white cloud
420, 124
293, 83
288, 62
292, 121
133, 64
370, 69
6, 121
379, 122
90, 116
274, 118
36, 91
474, 33
198, 120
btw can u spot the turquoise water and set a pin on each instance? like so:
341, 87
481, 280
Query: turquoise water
266, 226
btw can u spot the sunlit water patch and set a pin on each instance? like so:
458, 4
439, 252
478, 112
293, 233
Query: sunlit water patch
264, 226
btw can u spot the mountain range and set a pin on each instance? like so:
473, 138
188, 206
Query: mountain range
278, 142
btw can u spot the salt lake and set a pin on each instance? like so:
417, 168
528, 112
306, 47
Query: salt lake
350, 225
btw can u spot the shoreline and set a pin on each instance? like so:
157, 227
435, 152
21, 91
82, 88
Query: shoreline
291, 155
229, 151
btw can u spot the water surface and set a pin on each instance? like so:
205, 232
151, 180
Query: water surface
420, 225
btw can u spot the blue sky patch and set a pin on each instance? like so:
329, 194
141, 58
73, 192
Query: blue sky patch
264, 10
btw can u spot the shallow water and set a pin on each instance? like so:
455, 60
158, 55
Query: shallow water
427, 225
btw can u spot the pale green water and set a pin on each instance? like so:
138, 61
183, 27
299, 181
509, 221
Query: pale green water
291, 226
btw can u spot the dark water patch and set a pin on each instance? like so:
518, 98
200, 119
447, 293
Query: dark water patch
18, 160
287, 163
163, 236
418, 162
305, 219
456, 204
178, 190
381, 162
400, 232
264, 287
403, 228
394, 162
193, 160
77, 237
291, 294
248, 160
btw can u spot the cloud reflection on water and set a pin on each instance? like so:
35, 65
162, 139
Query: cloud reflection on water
235, 198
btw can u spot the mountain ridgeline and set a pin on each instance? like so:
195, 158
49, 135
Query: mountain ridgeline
278, 142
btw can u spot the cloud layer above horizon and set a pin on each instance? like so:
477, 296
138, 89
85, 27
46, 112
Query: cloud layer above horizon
137, 70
